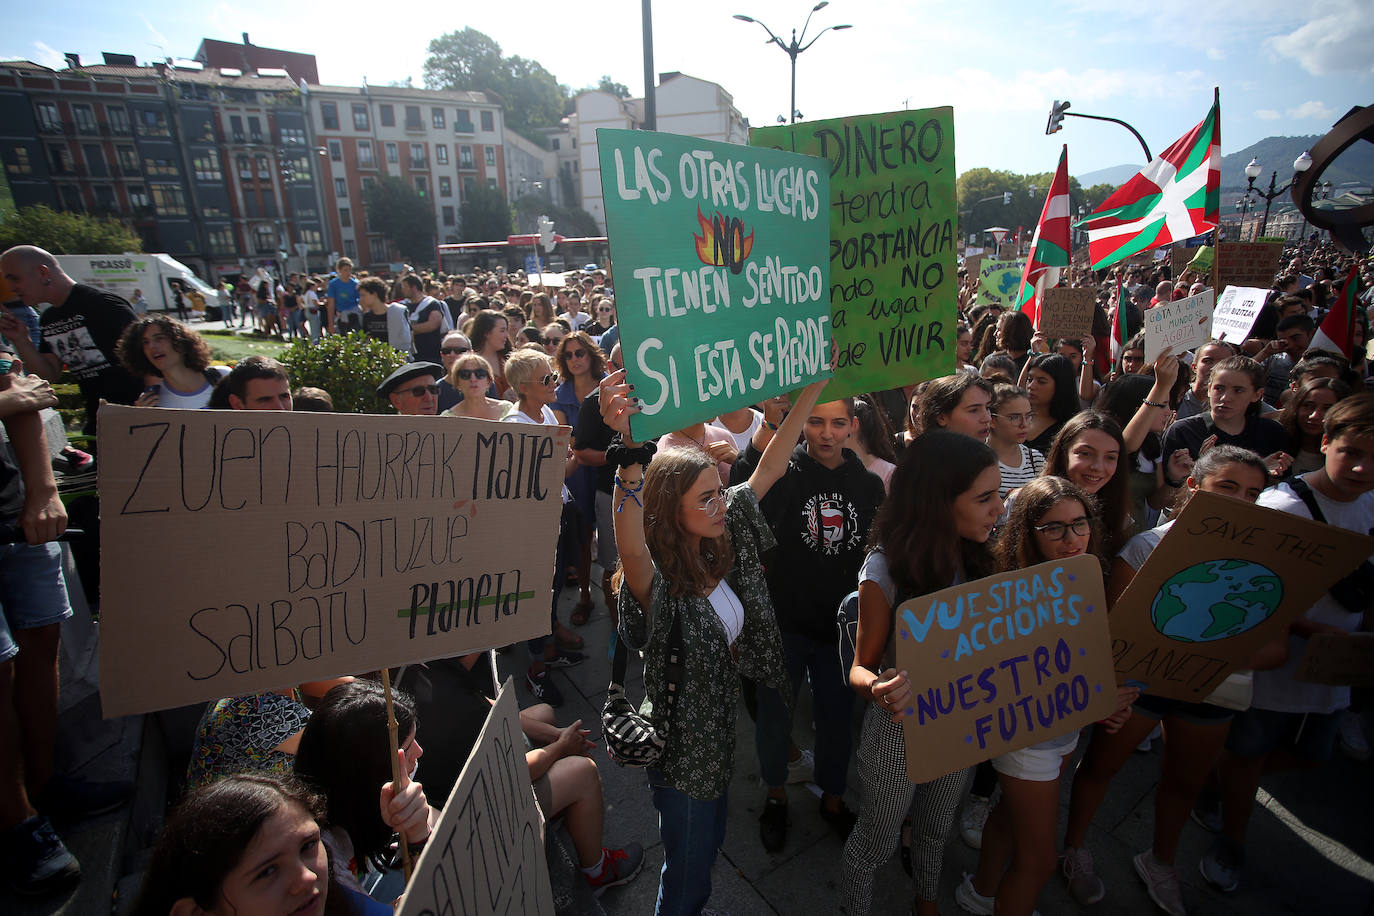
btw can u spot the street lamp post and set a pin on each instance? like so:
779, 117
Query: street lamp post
1243, 207
796, 47
1254, 170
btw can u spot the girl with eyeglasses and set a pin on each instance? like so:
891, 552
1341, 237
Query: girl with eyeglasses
580, 366
1052, 520
470, 376
1194, 733
690, 550
1012, 418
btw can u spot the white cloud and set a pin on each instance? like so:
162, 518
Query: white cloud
159, 40
1337, 39
1312, 109
1216, 54
48, 56
1267, 114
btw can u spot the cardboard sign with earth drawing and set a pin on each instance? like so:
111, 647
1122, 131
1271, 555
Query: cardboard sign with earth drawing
1002, 663
1227, 578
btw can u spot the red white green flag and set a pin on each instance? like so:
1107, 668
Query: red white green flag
1049, 248
1337, 331
1120, 332
1176, 197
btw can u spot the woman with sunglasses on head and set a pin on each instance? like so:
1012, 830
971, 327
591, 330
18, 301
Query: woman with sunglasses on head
1052, 520
470, 377
580, 366
1194, 733
690, 552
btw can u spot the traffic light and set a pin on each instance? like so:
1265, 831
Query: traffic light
1006, 198
1056, 122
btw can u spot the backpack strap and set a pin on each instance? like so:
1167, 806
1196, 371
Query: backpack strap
673, 668
1304, 492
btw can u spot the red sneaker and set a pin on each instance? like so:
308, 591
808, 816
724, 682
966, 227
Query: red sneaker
619, 866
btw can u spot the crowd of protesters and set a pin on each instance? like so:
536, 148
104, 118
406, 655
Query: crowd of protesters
724, 550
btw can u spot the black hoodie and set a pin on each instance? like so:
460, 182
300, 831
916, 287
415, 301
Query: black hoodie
821, 518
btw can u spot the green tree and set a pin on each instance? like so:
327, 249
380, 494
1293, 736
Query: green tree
484, 216
573, 222
348, 366
977, 212
471, 60
66, 233
403, 216
619, 90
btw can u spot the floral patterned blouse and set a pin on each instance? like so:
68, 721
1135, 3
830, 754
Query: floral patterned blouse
700, 752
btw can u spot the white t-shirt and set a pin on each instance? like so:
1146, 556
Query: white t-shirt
1278, 689
729, 609
192, 400
577, 321
741, 439
312, 302
519, 416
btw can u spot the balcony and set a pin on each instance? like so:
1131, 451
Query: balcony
419, 164
238, 136
463, 127
50, 127
256, 139
414, 127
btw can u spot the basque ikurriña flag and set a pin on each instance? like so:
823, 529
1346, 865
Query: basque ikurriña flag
1337, 331
1049, 249
1176, 197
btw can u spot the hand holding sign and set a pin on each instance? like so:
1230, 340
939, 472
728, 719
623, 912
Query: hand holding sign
617, 404
404, 806
893, 690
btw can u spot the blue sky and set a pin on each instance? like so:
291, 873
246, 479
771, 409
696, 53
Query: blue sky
1284, 68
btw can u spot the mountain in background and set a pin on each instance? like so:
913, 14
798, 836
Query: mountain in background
1354, 165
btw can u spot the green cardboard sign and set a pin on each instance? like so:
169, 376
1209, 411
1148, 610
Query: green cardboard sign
999, 282
721, 272
894, 280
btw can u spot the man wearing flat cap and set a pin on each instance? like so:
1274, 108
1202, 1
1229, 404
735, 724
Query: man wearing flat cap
413, 389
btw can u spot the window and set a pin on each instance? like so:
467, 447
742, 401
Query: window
350, 249
491, 155
245, 166
413, 118
311, 239
212, 211
488, 122
85, 119
152, 123
155, 167
447, 215
297, 168
293, 135
168, 200
574, 143
469, 187
365, 158
555, 144
206, 166
345, 217
335, 151
118, 117
17, 162
445, 186
264, 169
255, 130
392, 154
105, 201
329, 115
368, 181
340, 187
465, 157
421, 185
265, 239
360, 116
437, 118
441, 153
138, 197
95, 159
59, 158
128, 160
491, 183
236, 128
418, 159
462, 122
222, 241
387, 114
71, 199
46, 113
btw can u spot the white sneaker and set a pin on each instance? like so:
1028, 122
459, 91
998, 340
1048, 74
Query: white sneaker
803, 769
1162, 882
967, 896
971, 821
1084, 884
1354, 741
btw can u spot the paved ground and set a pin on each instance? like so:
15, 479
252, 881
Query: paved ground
1311, 846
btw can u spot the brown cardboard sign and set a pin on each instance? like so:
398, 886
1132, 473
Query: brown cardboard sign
1228, 577
1249, 264
972, 263
1067, 312
253, 550
1344, 660
486, 853
1178, 261
1002, 663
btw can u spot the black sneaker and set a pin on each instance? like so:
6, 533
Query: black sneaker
36, 862
543, 689
773, 824
565, 658
841, 821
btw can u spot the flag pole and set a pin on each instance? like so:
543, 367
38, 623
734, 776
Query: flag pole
1216, 255
398, 776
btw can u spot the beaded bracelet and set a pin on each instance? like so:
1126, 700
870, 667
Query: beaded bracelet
618, 454
1160, 404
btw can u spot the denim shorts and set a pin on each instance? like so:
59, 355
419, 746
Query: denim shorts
1257, 732
33, 593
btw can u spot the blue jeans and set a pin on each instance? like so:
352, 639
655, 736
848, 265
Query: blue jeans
692, 831
833, 703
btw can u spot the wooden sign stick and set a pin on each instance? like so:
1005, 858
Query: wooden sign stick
399, 778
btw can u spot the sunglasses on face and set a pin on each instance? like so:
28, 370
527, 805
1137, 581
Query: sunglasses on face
550, 379
420, 391
467, 374
450, 351
576, 354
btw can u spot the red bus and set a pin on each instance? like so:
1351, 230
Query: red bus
510, 254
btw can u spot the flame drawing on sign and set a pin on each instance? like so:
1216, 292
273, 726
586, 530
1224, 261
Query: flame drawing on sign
723, 242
